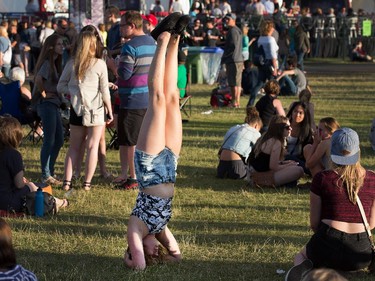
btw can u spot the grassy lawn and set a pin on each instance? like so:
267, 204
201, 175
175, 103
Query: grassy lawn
226, 231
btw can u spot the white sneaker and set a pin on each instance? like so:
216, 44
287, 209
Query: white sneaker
297, 272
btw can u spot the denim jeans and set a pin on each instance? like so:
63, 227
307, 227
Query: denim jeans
5, 70
264, 74
300, 56
287, 86
53, 137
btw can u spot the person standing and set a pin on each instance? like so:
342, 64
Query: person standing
86, 79
232, 57
114, 35
302, 45
5, 53
134, 65
47, 73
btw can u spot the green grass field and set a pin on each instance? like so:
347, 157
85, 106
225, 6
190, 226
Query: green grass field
226, 231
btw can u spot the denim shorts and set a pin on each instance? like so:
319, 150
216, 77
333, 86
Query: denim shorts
155, 169
332, 248
154, 211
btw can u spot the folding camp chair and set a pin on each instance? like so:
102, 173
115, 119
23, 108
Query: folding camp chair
10, 104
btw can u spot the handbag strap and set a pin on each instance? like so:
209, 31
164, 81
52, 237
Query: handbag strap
365, 222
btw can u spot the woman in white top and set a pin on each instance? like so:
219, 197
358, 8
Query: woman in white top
85, 77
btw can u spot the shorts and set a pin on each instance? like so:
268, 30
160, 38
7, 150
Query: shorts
74, 119
231, 169
129, 125
154, 211
17, 59
155, 169
332, 248
234, 74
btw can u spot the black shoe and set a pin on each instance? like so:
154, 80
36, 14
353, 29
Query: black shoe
167, 24
181, 24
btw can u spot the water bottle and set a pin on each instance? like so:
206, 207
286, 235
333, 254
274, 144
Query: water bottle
39, 203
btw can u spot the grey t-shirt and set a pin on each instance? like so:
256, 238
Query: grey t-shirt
299, 80
50, 83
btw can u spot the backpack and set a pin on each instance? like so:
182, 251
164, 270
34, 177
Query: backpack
220, 99
259, 56
49, 204
372, 134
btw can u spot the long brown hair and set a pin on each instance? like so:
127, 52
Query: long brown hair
10, 132
48, 54
275, 130
7, 253
86, 52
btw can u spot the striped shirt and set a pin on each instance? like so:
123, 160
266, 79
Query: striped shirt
134, 65
18, 273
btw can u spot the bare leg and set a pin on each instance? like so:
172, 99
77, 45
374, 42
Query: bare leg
288, 174
77, 138
173, 123
123, 162
151, 137
102, 155
92, 145
130, 150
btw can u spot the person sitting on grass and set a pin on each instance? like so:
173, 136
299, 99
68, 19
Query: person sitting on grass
182, 74
340, 240
156, 156
301, 134
292, 80
267, 157
269, 105
317, 154
359, 54
9, 269
238, 143
13, 185
305, 97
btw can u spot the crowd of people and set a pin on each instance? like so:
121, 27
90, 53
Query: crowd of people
131, 79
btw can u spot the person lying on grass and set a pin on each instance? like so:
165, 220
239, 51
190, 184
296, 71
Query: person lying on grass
158, 147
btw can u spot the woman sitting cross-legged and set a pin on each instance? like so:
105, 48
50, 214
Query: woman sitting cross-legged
158, 147
317, 154
237, 145
301, 133
13, 185
266, 159
340, 240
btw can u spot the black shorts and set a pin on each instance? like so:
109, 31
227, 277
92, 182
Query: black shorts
74, 119
129, 125
332, 248
234, 169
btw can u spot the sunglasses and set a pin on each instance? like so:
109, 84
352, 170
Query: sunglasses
287, 127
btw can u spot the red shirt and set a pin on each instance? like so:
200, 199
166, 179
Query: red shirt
335, 201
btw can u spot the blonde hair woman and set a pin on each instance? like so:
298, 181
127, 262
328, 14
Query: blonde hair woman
85, 77
340, 240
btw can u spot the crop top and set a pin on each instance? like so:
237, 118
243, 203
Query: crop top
335, 201
261, 163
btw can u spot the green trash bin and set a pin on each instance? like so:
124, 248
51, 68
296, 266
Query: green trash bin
194, 64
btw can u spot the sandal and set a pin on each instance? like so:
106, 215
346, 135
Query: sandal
67, 185
87, 186
65, 203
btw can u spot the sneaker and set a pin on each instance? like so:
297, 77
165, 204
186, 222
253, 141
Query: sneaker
181, 24
167, 24
129, 184
51, 181
297, 272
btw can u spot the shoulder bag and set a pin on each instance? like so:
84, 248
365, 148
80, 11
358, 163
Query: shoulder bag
371, 267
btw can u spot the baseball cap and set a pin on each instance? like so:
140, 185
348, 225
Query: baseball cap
151, 19
230, 16
345, 147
